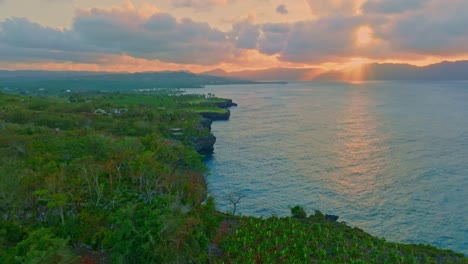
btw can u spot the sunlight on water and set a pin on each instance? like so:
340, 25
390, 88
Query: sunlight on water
388, 157
359, 148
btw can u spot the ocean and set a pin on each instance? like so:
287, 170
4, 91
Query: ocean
388, 157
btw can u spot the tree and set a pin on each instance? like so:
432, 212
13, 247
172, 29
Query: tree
234, 198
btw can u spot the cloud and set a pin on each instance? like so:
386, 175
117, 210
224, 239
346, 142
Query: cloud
200, 4
396, 30
437, 28
118, 32
392, 6
160, 37
274, 39
245, 35
320, 40
281, 9
333, 7
22, 40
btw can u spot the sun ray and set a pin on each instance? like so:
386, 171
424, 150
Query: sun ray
355, 70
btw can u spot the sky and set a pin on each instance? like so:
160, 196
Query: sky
201, 35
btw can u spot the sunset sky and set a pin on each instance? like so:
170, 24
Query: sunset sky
201, 35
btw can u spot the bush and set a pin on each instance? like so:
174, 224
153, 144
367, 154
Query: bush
298, 212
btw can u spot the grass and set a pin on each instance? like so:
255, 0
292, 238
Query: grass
211, 110
314, 240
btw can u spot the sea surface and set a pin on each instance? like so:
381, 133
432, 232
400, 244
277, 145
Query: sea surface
388, 157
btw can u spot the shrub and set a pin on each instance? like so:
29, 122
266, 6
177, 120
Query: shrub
298, 212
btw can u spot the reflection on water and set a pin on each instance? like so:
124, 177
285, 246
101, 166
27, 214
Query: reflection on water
379, 155
359, 147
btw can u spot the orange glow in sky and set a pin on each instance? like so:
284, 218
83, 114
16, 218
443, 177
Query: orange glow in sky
364, 36
355, 70
233, 35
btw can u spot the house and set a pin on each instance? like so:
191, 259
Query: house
100, 112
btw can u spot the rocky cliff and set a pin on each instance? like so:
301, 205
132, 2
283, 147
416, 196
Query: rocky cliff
205, 144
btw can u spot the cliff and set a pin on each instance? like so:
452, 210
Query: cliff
205, 144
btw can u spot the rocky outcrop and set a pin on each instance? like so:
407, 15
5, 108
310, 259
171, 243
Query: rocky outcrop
204, 144
216, 115
331, 218
206, 123
225, 104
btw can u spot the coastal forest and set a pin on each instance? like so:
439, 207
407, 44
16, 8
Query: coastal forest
120, 178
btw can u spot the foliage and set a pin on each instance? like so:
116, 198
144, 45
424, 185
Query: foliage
298, 212
40, 246
72, 180
79, 186
315, 240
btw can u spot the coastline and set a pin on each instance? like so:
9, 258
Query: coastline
329, 220
132, 189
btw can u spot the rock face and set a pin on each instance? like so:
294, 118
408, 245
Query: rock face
216, 116
204, 144
331, 218
225, 104
206, 123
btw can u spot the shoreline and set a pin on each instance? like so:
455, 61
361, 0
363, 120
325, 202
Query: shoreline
330, 218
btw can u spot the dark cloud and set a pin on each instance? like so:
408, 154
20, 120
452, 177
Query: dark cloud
436, 28
19, 32
245, 35
446, 35
321, 40
281, 9
392, 6
274, 39
159, 37
440, 29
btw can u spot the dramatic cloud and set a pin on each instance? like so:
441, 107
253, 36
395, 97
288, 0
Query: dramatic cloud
159, 37
320, 40
21, 40
281, 9
381, 30
19, 32
437, 29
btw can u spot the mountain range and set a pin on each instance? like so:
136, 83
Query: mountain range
376, 71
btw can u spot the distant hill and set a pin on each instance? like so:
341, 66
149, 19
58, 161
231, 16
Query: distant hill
386, 71
271, 74
92, 81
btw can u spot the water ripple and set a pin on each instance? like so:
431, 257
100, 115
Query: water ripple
379, 155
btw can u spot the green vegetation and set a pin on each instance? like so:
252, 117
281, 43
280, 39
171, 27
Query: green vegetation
313, 239
78, 184
104, 179
54, 83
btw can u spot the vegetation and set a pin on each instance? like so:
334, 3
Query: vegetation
47, 83
78, 184
313, 239
104, 179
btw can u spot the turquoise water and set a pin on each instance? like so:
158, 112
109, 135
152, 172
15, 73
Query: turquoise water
388, 157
